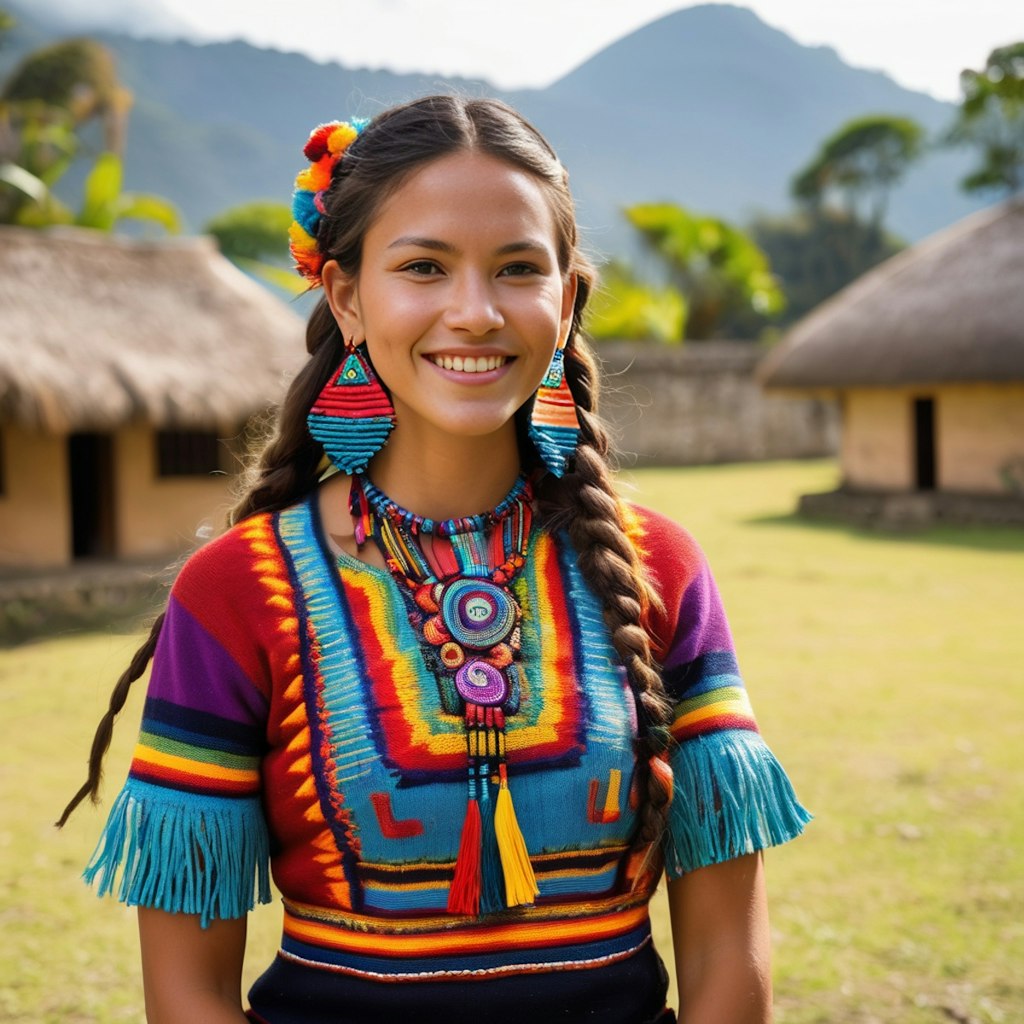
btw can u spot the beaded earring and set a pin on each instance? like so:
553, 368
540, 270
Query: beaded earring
554, 425
353, 416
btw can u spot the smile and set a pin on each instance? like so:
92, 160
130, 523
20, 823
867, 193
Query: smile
469, 364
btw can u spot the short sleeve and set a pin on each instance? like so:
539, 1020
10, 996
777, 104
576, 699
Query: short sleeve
730, 794
187, 832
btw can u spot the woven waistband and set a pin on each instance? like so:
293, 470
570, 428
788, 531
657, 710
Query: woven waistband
569, 937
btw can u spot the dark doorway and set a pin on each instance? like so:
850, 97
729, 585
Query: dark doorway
91, 466
924, 443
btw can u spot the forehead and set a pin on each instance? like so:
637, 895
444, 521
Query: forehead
469, 196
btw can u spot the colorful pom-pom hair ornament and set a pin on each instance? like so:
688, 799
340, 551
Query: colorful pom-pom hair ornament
326, 146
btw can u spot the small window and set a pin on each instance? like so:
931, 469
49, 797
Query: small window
187, 453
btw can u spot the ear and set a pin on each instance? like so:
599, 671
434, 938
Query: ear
569, 290
342, 293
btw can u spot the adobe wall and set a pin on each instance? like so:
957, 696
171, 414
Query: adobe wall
980, 437
35, 506
700, 403
877, 450
157, 515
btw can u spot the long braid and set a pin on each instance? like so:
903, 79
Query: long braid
586, 503
283, 471
105, 730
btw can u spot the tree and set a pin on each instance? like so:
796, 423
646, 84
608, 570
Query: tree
44, 103
721, 275
254, 236
862, 161
623, 308
814, 255
991, 117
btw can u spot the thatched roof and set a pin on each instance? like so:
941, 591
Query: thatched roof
97, 330
950, 309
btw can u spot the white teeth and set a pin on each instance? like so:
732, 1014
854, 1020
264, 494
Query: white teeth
469, 364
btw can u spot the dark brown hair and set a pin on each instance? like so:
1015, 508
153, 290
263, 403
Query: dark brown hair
391, 148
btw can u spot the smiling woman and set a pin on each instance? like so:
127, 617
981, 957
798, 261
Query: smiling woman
469, 743
461, 302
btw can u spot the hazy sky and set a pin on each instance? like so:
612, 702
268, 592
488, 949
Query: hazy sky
923, 44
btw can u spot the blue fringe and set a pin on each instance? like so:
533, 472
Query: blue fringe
183, 853
731, 797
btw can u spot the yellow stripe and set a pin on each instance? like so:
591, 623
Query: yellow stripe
188, 766
736, 705
474, 939
611, 801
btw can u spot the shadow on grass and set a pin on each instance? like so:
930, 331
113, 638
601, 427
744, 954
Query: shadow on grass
979, 538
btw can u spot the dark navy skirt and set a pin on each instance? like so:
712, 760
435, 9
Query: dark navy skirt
630, 991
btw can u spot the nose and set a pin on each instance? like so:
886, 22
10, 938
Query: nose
473, 306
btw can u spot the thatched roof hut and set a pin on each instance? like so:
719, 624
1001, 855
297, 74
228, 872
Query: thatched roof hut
948, 309
99, 330
124, 366
926, 352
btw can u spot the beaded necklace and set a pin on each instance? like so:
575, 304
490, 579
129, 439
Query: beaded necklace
455, 575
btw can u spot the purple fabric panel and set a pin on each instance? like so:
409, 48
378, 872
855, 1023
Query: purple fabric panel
702, 626
192, 669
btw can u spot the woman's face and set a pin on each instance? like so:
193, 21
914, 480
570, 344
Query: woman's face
459, 297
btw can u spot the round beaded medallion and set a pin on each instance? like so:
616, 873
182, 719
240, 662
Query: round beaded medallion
477, 613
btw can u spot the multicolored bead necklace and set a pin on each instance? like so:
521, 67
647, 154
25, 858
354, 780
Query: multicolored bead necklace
456, 575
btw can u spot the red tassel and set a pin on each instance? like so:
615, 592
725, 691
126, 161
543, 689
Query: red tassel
464, 894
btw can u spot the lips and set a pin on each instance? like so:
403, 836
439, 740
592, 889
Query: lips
468, 364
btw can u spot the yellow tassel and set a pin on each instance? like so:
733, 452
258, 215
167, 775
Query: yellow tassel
520, 883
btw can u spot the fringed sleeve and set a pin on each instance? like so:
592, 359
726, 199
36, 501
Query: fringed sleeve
730, 794
166, 846
187, 832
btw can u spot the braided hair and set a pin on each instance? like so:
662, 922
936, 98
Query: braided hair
376, 164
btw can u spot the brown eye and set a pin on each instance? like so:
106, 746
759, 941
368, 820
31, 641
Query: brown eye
425, 268
519, 269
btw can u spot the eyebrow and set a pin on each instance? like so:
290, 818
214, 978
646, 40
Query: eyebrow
437, 245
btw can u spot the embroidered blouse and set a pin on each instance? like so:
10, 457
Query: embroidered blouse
291, 722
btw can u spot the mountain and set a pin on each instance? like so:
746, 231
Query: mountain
708, 107
714, 109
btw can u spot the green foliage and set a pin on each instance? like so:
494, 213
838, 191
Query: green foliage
624, 309
864, 158
816, 254
718, 270
48, 96
252, 231
255, 237
104, 203
991, 118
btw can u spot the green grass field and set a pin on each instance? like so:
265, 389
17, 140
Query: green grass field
886, 674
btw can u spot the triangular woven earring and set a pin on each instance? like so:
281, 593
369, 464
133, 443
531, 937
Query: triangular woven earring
353, 415
554, 426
